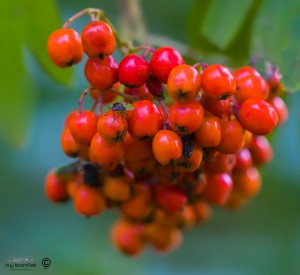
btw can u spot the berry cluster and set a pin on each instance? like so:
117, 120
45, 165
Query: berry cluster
185, 138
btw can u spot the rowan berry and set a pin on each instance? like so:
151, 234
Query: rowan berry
128, 237
220, 163
202, 210
55, 187
141, 93
133, 71
184, 83
191, 163
185, 117
83, 126
261, 150
163, 61
166, 147
218, 82
89, 201
258, 116
112, 125
232, 137
101, 73
145, 120
116, 188
218, 188
106, 154
72, 148
139, 205
243, 160
209, 133
251, 86
64, 47
155, 87
247, 182
218, 107
281, 109
98, 39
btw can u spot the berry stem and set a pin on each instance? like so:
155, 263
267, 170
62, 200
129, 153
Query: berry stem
129, 98
90, 11
99, 104
81, 99
163, 105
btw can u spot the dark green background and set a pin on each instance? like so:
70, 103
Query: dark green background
262, 238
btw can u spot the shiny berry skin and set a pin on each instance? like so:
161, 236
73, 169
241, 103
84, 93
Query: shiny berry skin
116, 188
127, 237
243, 160
220, 163
245, 71
185, 117
112, 125
281, 109
209, 133
169, 198
72, 148
247, 182
155, 87
55, 187
218, 188
251, 86
89, 201
232, 137
145, 120
167, 147
192, 163
163, 61
101, 73
261, 150
258, 116
218, 107
184, 83
133, 71
98, 39
141, 93
218, 82
106, 154
64, 47
83, 126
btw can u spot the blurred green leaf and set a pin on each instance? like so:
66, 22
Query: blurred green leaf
222, 20
40, 19
27, 24
276, 38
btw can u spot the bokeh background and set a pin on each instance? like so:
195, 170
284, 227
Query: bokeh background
261, 238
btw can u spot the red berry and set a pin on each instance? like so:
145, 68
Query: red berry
218, 188
141, 93
83, 126
166, 146
218, 82
184, 82
98, 39
243, 160
101, 73
261, 150
145, 120
55, 187
281, 109
64, 47
133, 71
169, 198
218, 107
185, 117
88, 201
163, 61
258, 116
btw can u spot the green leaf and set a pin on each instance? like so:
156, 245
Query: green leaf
223, 19
276, 38
17, 92
40, 19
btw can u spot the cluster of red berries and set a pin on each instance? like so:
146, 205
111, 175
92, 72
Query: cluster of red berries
162, 165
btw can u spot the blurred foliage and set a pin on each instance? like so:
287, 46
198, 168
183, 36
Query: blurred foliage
262, 238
